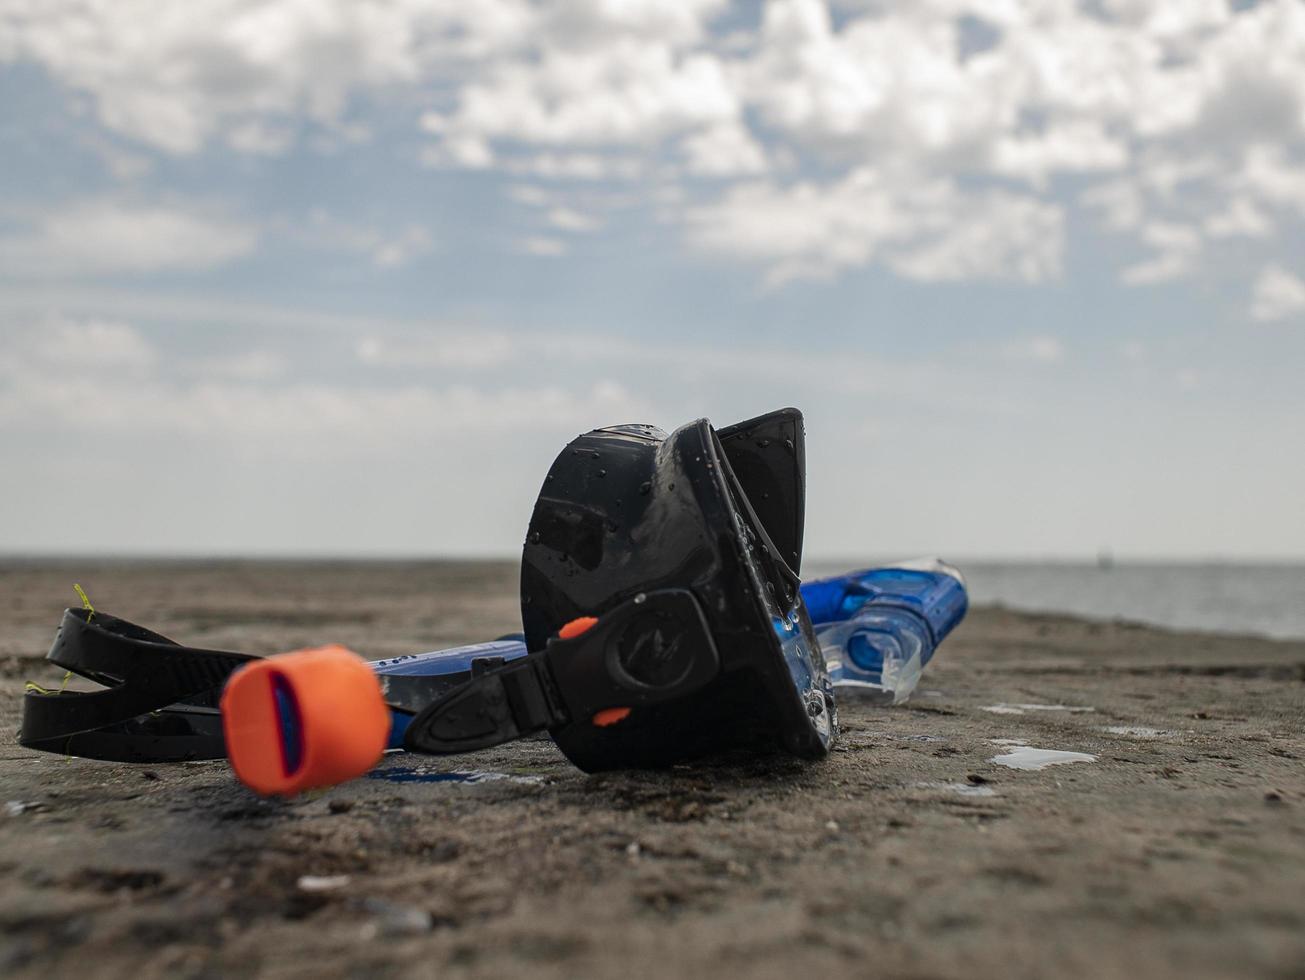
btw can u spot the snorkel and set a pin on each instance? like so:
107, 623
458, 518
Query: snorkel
663, 619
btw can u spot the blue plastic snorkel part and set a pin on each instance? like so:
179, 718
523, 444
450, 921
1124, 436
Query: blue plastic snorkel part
880, 626
292, 733
426, 676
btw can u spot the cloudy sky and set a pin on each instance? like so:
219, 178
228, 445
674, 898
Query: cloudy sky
342, 276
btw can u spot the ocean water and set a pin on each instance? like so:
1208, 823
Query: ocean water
1268, 600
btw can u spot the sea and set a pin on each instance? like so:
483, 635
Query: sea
1260, 599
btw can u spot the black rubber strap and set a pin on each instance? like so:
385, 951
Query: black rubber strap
159, 703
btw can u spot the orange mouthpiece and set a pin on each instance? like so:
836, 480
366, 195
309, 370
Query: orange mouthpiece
304, 720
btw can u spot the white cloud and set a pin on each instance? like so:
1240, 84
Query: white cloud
989, 236
927, 230
447, 349
105, 236
388, 248
1268, 175
1178, 114
96, 344
1078, 146
1040, 349
329, 414
543, 246
1177, 247
577, 166
627, 91
1133, 351
1241, 218
725, 150
530, 195
103, 378
569, 219
177, 76
402, 248
1277, 294
250, 365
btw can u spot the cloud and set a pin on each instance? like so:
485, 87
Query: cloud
176, 78
1240, 218
1039, 349
1177, 247
1149, 116
543, 246
252, 365
626, 91
569, 219
104, 378
725, 150
329, 414
386, 249
1277, 294
108, 236
79, 344
929, 230
449, 349
1077, 146
990, 236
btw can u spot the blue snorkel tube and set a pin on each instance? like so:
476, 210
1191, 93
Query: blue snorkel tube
880, 626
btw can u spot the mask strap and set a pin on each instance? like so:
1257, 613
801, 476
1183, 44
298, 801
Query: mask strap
159, 701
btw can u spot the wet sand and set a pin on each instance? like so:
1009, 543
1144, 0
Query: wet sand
1178, 852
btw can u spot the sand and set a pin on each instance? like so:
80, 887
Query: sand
1172, 842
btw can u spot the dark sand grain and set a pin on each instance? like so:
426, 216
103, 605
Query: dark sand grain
907, 854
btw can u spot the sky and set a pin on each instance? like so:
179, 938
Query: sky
341, 277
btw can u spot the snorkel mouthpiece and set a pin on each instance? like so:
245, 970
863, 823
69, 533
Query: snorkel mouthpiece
304, 720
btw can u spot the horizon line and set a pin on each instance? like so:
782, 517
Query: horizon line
1106, 559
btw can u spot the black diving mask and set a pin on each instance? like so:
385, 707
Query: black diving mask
660, 599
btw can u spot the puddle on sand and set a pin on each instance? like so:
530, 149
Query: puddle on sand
960, 789
1139, 731
1023, 756
1019, 709
899, 737
425, 774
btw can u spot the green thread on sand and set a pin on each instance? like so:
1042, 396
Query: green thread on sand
86, 603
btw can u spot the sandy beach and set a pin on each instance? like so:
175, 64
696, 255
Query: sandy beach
1172, 844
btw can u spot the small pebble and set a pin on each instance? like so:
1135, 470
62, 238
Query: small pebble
322, 883
398, 920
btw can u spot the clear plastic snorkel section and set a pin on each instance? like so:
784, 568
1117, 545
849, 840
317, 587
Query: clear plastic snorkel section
879, 627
